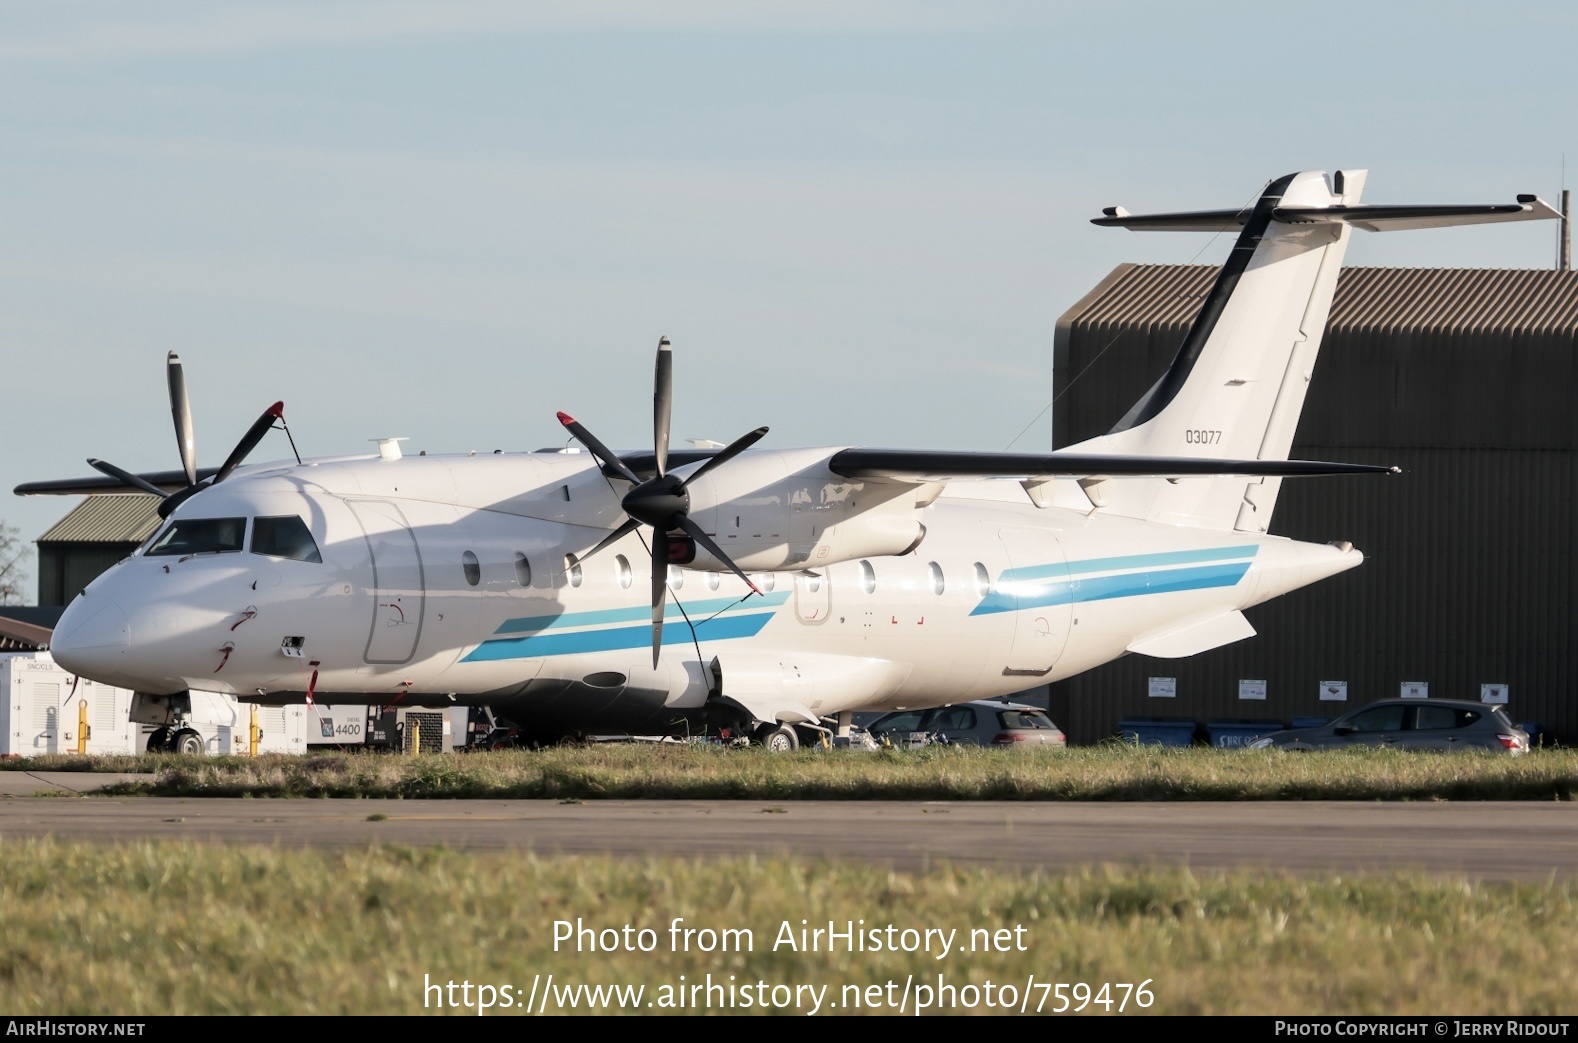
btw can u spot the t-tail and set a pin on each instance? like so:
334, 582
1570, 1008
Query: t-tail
1236, 387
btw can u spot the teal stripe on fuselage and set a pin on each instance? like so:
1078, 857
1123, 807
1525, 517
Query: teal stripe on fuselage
613, 639
632, 613
1127, 561
1040, 586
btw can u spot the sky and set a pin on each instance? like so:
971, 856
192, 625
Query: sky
858, 221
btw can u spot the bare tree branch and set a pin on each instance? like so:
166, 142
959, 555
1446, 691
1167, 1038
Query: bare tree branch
13, 559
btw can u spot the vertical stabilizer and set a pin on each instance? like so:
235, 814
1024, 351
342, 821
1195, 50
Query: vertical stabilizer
1236, 387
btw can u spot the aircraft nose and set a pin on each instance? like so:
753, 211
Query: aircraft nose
91, 637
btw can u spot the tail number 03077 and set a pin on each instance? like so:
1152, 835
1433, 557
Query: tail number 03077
1198, 437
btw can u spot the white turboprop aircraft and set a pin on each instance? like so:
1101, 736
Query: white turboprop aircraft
788, 588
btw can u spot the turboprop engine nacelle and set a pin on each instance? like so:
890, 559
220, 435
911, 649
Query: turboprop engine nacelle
779, 511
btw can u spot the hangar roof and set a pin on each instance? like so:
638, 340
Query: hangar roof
107, 519
1459, 300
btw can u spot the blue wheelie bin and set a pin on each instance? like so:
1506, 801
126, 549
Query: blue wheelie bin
1238, 732
1158, 731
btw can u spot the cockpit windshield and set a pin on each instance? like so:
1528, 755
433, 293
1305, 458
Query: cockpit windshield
199, 536
286, 537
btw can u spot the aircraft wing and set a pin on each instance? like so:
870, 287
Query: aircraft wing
169, 481
916, 466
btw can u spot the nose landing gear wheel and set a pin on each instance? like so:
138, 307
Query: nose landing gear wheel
779, 738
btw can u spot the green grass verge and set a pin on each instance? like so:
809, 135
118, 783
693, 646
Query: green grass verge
1112, 772
176, 929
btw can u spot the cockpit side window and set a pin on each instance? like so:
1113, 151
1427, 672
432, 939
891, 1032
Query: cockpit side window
286, 537
199, 536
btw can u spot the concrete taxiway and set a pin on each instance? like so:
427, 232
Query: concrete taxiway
1491, 840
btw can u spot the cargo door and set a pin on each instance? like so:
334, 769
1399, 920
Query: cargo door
398, 587
1038, 583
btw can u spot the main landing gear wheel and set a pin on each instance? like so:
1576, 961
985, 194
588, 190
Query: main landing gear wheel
188, 744
778, 738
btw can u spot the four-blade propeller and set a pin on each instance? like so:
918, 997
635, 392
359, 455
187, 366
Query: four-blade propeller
181, 411
662, 501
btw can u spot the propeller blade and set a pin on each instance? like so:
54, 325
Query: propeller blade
181, 410
630, 525
136, 481
250, 440
175, 499
662, 403
604, 455
659, 589
733, 449
695, 533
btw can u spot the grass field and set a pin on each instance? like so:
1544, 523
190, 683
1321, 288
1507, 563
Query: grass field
1112, 772
158, 929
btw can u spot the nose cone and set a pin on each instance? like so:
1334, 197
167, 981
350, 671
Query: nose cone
91, 638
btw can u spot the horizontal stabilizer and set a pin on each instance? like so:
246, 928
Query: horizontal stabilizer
921, 465
1369, 218
1177, 642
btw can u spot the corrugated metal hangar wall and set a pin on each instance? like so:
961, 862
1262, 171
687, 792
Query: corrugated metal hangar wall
1463, 378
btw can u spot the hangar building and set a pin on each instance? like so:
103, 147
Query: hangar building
93, 535
1465, 379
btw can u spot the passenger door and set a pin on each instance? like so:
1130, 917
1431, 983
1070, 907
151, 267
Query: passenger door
398, 593
1436, 728
1376, 726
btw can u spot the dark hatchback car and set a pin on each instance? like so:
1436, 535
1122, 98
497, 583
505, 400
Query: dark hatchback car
1409, 724
983, 722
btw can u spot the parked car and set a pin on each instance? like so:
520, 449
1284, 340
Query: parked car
1409, 724
983, 722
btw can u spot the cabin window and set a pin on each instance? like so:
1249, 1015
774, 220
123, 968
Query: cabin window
769, 581
572, 568
868, 577
286, 537
522, 570
813, 583
934, 570
713, 581
200, 536
676, 577
983, 582
471, 567
622, 571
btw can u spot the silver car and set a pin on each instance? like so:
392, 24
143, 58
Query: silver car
983, 722
1409, 724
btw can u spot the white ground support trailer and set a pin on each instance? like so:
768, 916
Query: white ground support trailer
40, 713
215, 723
337, 725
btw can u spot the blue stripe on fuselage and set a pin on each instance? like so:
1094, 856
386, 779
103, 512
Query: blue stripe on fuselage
1040, 586
632, 613
745, 624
